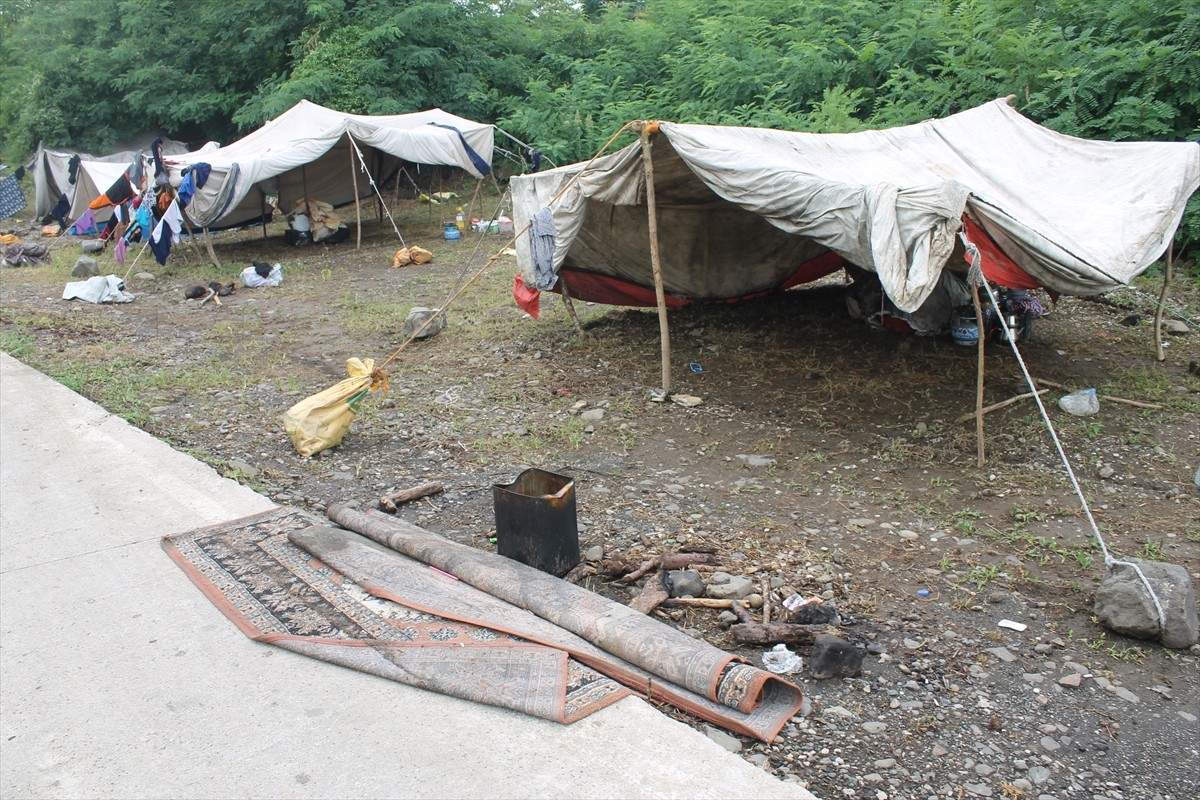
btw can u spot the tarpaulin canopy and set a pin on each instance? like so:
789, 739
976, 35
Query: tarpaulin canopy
306, 152
744, 210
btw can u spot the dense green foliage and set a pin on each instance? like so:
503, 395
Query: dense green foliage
564, 74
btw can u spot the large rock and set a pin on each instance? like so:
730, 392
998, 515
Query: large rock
685, 583
738, 587
834, 657
417, 317
1123, 605
85, 267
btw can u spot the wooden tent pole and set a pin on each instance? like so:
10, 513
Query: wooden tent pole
208, 245
1159, 353
566, 296
471, 205
979, 354
304, 187
357, 204
644, 130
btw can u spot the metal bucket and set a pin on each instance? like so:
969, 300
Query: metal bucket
535, 521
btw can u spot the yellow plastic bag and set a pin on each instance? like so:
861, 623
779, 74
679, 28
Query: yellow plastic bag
320, 421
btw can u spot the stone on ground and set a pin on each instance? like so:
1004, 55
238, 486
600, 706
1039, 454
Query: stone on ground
1124, 606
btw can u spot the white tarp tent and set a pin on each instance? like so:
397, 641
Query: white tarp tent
743, 210
51, 176
92, 180
307, 152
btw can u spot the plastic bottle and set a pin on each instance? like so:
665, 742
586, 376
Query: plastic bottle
460, 221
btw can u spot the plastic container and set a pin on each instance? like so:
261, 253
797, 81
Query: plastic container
963, 327
451, 232
1083, 403
506, 224
460, 221
535, 521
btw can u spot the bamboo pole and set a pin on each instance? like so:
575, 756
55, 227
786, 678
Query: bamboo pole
979, 352
357, 204
1159, 352
644, 130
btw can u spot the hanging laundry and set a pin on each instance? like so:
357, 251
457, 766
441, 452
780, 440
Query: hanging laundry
85, 225
160, 242
542, 236
166, 233
144, 221
201, 171
118, 193
12, 199
59, 212
187, 188
119, 251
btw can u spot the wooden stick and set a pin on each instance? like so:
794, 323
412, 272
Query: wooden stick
580, 571
697, 602
1160, 353
740, 612
979, 360
208, 244
686, 560
1138, 403
644, 131
652, 594
766, 595
1001, 404
776, 632
647, 566
389, 502
566, 296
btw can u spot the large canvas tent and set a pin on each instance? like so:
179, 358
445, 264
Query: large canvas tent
741, 211
309, 151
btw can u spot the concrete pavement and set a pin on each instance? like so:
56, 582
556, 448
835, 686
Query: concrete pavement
119, 679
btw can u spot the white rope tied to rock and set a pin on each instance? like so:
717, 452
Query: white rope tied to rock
975, 276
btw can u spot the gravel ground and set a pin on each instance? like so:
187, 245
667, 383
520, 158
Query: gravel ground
823, 459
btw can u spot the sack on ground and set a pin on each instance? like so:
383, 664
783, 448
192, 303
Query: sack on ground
321, 421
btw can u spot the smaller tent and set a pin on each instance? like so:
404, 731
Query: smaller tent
52, 178
309, 152
741, 211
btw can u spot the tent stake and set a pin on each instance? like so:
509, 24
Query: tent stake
1161, 354
644, 130
979, 352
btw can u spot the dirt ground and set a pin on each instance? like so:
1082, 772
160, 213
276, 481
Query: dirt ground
825, 457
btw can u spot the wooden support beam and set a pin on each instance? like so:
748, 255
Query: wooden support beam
645, 129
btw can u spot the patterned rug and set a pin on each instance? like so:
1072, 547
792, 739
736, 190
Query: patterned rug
277, 593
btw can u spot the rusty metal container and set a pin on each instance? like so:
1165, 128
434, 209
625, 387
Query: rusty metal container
535, 521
